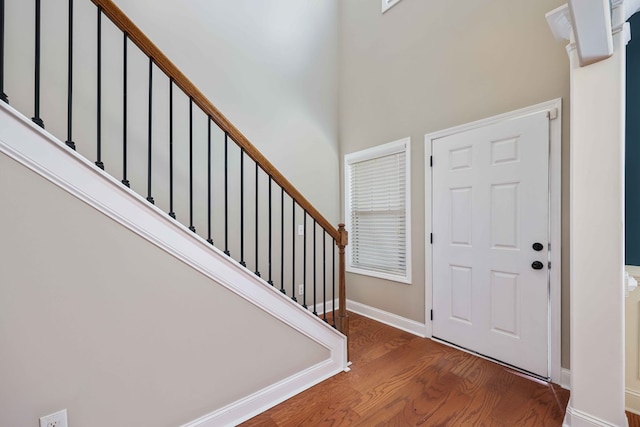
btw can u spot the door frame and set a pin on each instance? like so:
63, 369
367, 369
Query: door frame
554, 109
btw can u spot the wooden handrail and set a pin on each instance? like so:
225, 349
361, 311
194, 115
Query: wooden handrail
343, 317
117, 16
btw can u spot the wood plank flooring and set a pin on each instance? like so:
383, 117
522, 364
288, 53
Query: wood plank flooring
398, 379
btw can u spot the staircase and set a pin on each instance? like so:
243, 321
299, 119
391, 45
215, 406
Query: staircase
146, 148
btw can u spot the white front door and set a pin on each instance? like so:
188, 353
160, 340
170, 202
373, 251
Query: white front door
490, 241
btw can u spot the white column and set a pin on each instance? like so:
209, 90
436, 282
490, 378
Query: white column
597, 236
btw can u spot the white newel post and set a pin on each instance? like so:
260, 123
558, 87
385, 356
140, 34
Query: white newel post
597, 230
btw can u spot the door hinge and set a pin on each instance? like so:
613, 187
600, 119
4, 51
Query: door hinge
431, 161
431, 238
431, 314
549, 265
552, 114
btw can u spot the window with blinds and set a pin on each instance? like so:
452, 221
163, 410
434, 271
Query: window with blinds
377, 211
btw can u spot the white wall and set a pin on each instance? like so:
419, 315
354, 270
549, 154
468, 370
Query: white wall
271, 68
632, 351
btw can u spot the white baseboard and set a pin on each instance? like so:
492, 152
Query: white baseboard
387, 318
577, 418
565, 379
256, 403
319, 307
632, 401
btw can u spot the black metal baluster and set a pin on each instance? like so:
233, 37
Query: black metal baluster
270, 242
242, 263
257, 272
149, 132
3, 96
315, 305
99, 101
172, 214
125, 181
191, 227
210, 240
324, 274
226, 194
293, 250
282, 241
333, 300
69, 140
304, 261
36, 90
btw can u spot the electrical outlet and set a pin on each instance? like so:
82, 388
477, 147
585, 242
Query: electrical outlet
58, 419
301, 230
300, 289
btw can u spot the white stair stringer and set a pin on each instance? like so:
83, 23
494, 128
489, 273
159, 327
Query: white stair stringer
36, 149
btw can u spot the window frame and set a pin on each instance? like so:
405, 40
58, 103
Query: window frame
394, 147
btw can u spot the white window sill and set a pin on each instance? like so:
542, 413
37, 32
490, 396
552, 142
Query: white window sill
392, 277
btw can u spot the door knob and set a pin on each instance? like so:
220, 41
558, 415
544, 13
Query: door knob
537, 265
537, 246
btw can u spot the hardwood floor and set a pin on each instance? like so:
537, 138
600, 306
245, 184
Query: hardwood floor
398, 379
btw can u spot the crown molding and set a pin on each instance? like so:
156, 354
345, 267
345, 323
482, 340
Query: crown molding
559, 21
388, 4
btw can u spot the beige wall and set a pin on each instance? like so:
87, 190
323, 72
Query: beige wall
95, 319
425, 66
272, 68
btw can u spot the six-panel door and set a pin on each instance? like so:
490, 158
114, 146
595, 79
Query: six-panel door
490, 207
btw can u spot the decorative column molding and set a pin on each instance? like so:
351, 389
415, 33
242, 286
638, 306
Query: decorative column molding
597, 105
620, 14
563, 26
559, 21
631, 7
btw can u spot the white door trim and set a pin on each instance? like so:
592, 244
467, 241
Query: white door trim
554, 107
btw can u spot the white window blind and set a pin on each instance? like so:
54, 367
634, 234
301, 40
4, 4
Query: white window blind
378, 212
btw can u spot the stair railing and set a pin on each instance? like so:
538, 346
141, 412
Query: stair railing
290, 199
